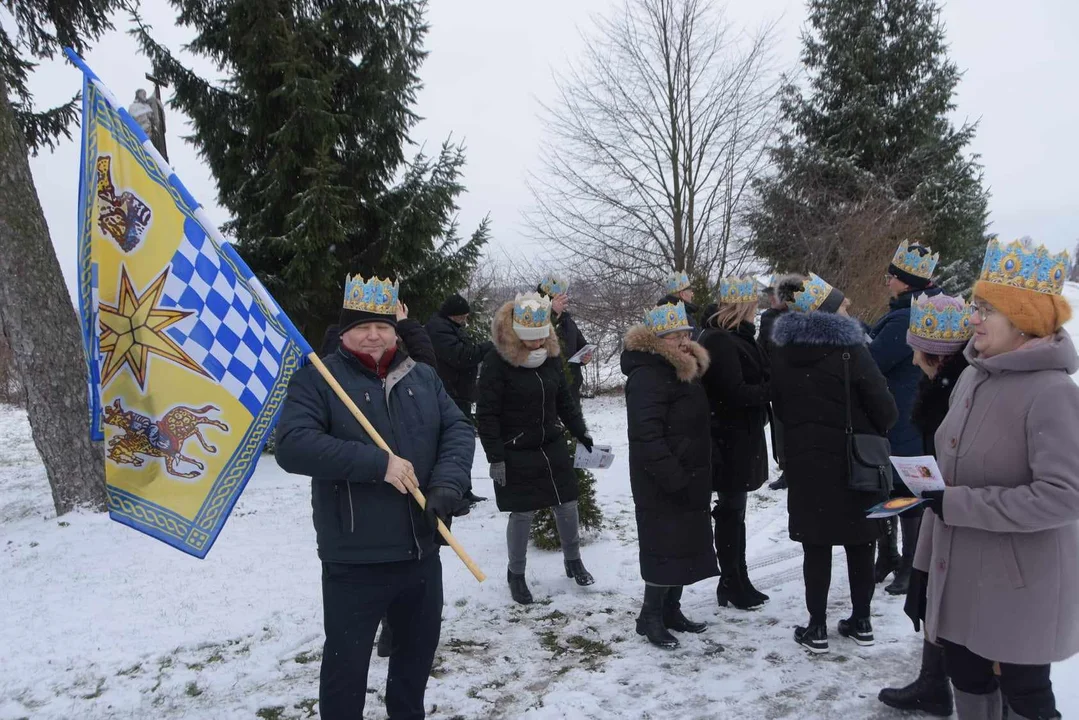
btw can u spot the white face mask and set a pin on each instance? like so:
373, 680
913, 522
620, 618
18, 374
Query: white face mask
536, 358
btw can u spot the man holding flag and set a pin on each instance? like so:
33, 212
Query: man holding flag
378, 548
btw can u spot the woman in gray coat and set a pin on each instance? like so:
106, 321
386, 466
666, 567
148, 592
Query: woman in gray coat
1001, 545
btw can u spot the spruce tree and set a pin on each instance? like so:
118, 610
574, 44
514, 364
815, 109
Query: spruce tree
872, 131
306, 137
36, 314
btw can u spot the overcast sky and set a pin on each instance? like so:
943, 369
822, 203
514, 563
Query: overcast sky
491, 63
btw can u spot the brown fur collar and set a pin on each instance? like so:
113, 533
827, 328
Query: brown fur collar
507, 343
688, 367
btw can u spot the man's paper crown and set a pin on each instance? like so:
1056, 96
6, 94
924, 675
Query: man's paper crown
910, 260
374, 296
677, 282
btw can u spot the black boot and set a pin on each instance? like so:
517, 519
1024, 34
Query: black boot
650, 622
575, 569
519, 588
673, 619
385, 640
779, 484
753, 592
901, 581
730, 538
732, 591
813, 637
887, 551
930, 693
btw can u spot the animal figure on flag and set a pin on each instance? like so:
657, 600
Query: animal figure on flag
163, 438
125, 218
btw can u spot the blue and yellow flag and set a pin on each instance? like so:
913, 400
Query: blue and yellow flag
189, 357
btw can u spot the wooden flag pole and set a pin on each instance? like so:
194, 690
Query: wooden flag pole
374, 435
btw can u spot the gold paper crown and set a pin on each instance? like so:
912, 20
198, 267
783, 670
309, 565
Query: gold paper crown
530, 311
374, 296
668, 318
1021, 264
738, 289
913, 262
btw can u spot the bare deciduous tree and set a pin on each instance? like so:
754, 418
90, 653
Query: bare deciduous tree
654, 140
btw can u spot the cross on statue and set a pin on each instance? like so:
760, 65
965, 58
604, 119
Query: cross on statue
149, 112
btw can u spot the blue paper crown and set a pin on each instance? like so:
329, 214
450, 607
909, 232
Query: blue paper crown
666, 319
942, 318
738, 289
914, 263
677, 282
812, 295
531, 311
373, 296
552, 285
1020, 264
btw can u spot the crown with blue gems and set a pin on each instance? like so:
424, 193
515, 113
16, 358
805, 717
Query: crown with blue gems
910, 260
812, 295
738, 290
677, 282
941, 318
666, 319
1021, 264
374, 296
531, 316
552, 285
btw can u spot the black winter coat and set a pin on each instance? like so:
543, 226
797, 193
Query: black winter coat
670, 451
572, 340
931, 403
737, 386
359, 518
768, 321
522, 415
458, 357
810, 400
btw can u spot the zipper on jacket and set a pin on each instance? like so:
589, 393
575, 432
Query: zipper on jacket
543, 422
514, 439
351, 514
408, 502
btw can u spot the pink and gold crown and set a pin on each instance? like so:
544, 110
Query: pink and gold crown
941, 318
1021, 264
374, 296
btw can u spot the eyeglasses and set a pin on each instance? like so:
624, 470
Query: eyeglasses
983, 311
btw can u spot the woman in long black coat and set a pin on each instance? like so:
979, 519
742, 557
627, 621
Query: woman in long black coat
524, 407
669, 470
737, 386
810, 399
942, 361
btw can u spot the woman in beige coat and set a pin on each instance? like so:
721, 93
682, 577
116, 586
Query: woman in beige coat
1002, 545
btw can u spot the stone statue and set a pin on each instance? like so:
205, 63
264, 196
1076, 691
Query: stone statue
149, 112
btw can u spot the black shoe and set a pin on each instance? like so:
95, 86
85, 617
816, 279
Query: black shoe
385, 641
779, 484
650, 622
732, 591
860, 631
813, 638
901, 582
751, 591
575, 569
673, 619
930, 693
519, 588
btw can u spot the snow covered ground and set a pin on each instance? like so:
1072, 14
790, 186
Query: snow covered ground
99, 621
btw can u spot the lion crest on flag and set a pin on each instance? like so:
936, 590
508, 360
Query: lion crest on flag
125, 218
163, 438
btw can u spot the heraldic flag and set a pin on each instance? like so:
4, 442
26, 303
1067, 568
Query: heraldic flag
189, 357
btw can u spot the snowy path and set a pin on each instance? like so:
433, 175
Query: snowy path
102, 622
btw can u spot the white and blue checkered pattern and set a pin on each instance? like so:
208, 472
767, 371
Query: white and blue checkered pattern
228, 336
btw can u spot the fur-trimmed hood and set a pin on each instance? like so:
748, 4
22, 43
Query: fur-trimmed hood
688, 367
817, 328
509, 346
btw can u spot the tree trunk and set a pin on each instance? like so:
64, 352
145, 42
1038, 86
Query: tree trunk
43, 330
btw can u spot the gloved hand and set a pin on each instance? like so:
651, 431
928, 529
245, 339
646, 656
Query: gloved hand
441, 503
934, 500
587, 442
460, 507
498, 473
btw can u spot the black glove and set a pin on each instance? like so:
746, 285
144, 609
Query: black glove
498, 473
441, 503
586, 441
934, 500
916, 601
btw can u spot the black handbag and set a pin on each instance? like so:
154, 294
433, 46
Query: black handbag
868, 463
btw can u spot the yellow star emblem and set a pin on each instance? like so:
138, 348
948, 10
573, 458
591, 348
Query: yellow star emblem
135, 327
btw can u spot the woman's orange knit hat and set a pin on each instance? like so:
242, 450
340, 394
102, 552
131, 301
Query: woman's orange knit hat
1025, 282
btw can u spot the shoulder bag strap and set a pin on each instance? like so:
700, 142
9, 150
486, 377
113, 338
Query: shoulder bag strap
846, 385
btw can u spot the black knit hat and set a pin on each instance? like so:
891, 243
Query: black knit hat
455, 305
